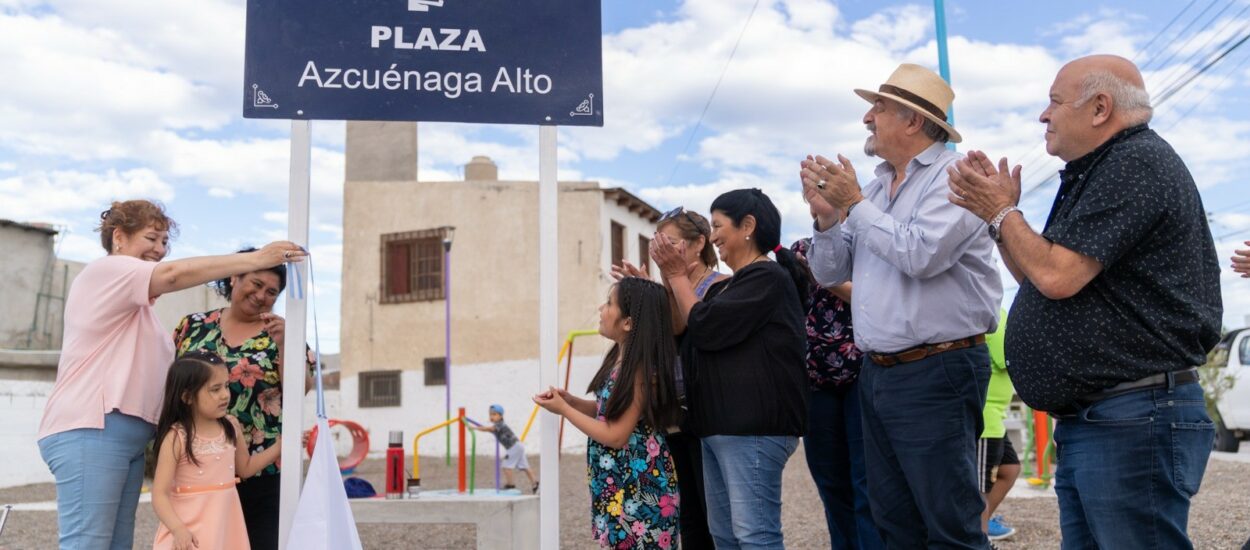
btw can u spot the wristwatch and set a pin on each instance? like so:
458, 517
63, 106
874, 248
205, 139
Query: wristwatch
996, 224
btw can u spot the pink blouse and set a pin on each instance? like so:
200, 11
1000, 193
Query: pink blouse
115, 353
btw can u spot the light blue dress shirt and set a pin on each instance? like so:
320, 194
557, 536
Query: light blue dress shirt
923, 268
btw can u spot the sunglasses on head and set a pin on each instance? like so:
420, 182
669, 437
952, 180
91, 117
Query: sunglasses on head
679, 211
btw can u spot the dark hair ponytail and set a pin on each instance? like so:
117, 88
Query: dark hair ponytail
740, 203
649, 354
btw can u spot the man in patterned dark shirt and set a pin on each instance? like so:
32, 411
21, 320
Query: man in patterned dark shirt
1119, 299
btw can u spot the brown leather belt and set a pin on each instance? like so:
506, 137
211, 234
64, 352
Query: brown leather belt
924, 350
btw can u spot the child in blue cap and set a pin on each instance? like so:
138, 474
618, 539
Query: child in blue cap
514, 457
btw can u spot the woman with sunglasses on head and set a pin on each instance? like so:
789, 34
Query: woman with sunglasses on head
743, 360
105, 404
690, 233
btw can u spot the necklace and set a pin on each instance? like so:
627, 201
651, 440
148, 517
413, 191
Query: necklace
703, 275
763, 255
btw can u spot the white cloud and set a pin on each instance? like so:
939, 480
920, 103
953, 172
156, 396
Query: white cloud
249, 165
894, 28
88, 92
55, 196
80, 247
1107, 31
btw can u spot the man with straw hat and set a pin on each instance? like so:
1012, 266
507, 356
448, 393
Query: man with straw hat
926, 292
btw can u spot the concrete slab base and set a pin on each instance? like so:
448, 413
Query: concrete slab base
504, 521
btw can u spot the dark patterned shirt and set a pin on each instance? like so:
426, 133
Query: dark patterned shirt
833, 361
1132, 205
505, 435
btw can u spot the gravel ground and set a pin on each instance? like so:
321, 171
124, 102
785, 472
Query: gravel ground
1220, 517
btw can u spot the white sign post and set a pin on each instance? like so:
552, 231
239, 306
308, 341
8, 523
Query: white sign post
296, 319
534, 62
548, 333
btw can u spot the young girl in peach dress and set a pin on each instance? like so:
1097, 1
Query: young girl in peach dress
200, 459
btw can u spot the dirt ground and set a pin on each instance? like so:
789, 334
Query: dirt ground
1220, 517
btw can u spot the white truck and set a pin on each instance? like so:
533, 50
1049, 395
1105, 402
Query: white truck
1232, 355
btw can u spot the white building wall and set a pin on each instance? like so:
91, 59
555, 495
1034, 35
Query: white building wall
21, 406
635, 227
475, 387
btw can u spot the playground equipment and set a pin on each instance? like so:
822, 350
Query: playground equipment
566, 354
1042, 449
360, 444
415, 480
497, 461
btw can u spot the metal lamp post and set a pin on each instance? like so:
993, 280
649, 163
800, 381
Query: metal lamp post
448, 233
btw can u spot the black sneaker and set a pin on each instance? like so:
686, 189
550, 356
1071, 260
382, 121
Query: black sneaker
536, 487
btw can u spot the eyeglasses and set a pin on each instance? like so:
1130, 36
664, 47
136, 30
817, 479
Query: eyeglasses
681, 210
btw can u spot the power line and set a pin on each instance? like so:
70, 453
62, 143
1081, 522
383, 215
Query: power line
1204, 69
1199, 53
1168, 94
1230, 234
1039, 150
1163, 30
1182, 33
1210, 92
710, 97
1229, 208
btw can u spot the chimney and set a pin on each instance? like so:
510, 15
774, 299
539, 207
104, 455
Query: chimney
481, 168
381, 151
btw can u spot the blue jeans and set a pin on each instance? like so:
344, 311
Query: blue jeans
98, 477
922, 420
1128, 466
742, 483
834, 446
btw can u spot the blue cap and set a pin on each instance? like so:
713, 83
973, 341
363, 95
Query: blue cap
496, 408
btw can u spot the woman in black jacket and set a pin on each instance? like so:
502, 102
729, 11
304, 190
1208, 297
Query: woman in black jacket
743, 355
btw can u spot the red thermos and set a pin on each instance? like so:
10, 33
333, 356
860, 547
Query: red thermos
395, 466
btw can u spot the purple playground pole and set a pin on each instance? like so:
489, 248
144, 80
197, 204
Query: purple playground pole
447, 330
496, 464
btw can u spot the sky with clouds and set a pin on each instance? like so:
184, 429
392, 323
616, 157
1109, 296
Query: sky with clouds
139, 98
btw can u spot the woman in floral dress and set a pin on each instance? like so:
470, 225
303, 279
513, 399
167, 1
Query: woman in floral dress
249, 339
633, 484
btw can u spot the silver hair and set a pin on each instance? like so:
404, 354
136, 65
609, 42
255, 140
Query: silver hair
1132, 101
930, 128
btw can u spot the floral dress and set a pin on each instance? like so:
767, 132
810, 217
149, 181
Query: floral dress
255, 389
833, 360
633, 491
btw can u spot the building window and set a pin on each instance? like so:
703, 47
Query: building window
412, 266
436, 371
618, 243
379, 389
644, 253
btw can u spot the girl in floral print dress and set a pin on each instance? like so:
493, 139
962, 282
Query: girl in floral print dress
633, 485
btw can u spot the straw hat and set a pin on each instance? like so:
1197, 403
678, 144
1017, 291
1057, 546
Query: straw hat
922, 91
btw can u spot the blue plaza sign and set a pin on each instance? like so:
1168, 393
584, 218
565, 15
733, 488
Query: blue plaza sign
487, 61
